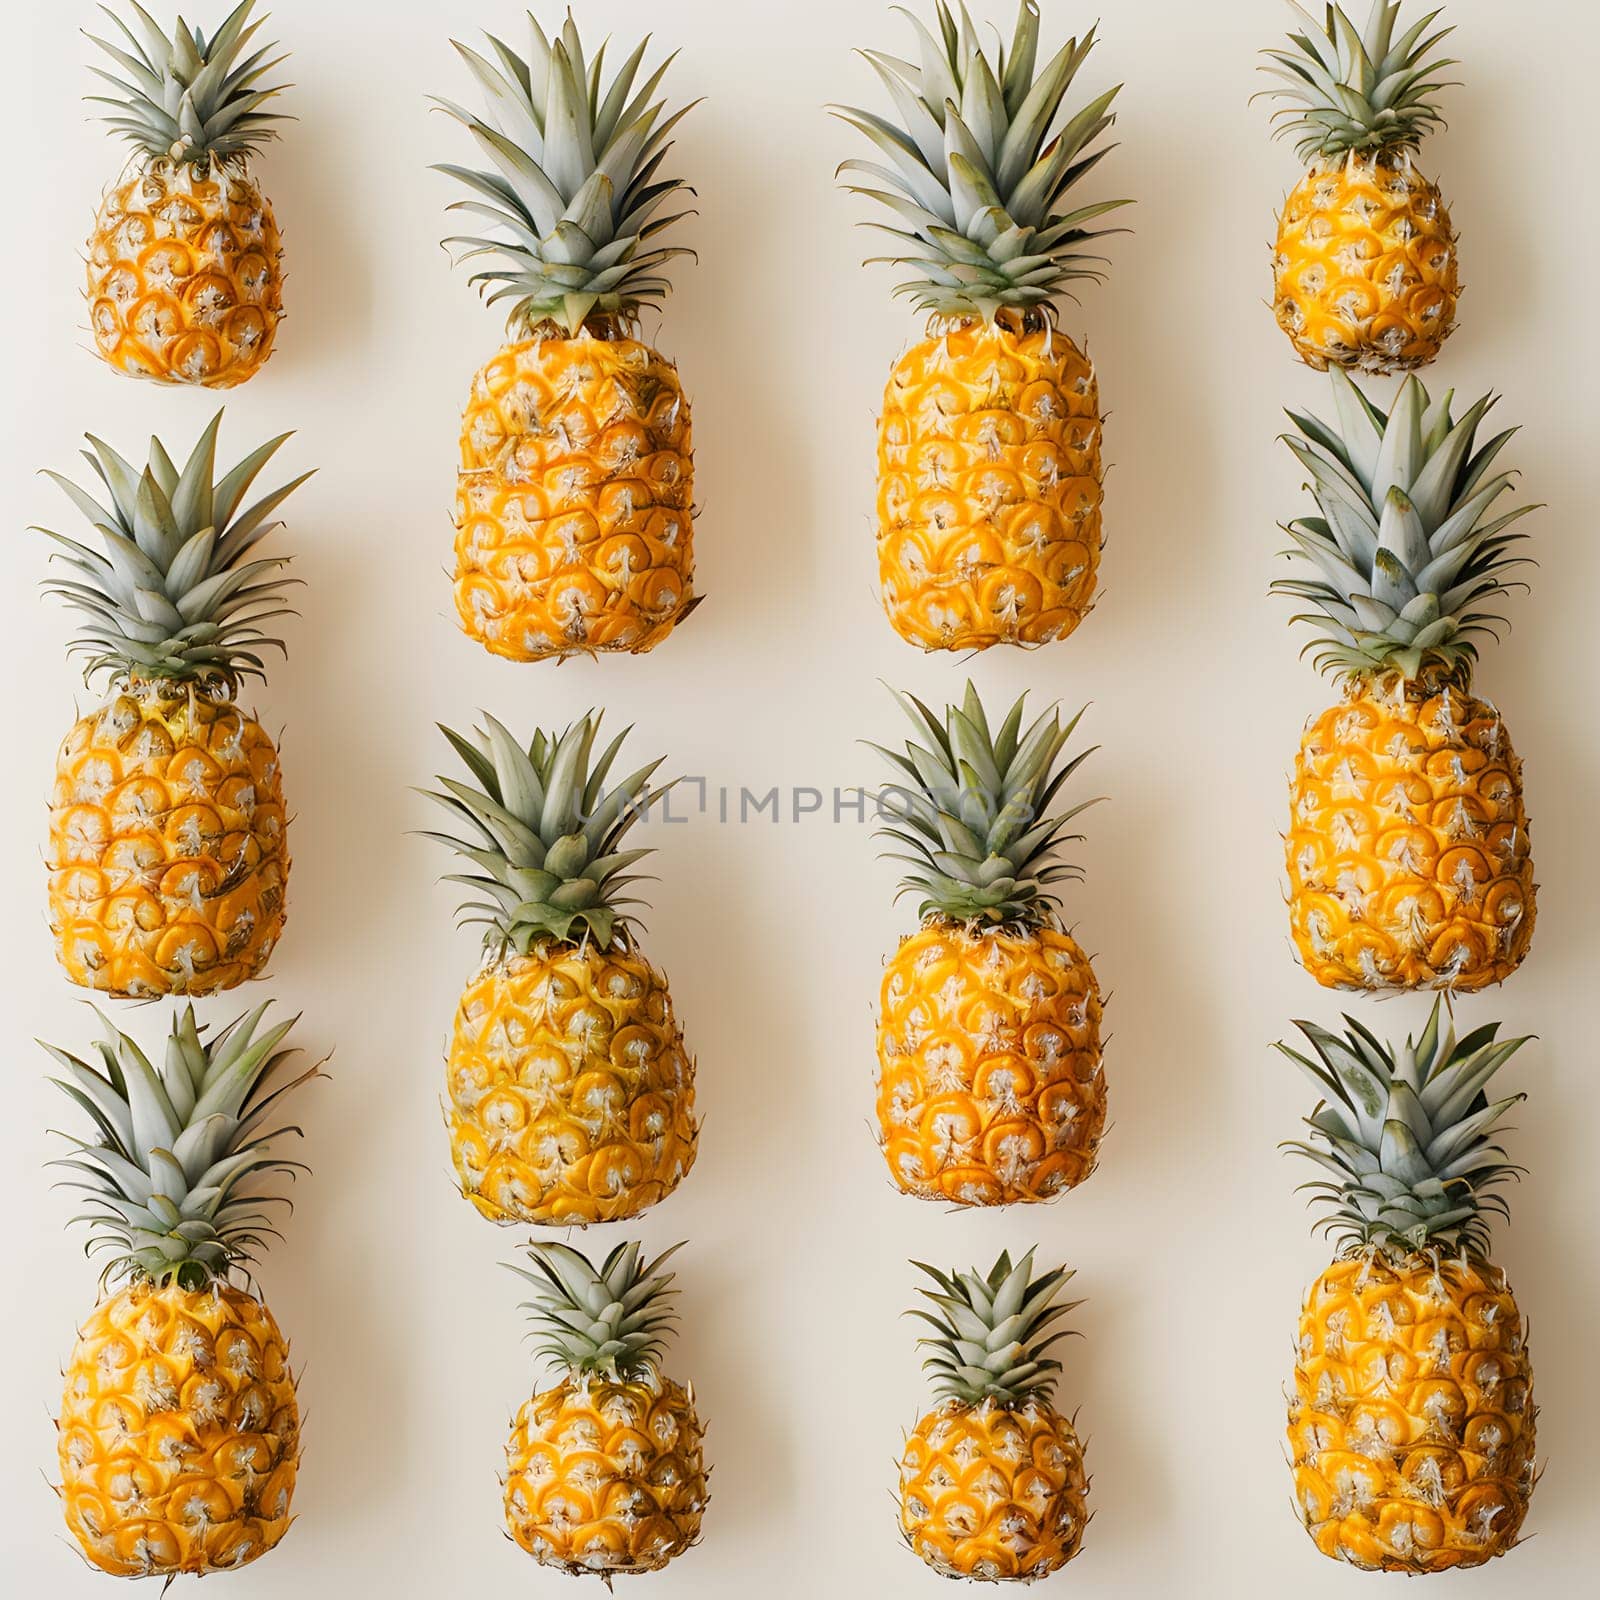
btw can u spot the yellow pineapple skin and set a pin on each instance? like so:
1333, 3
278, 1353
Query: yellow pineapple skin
574, 509
185, 280
1411, 1416
570, 1096
1407, 851
989, 494
1365, 269
994, 1492
606, 1476
179, 1435
168, 852
990, 1083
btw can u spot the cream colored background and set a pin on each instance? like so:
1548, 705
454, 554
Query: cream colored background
1190, 1243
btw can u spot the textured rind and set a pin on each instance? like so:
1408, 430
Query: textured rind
574, 499
1364, 269
184, 275
1411, 1418
1408, 854
168, 853
991, 1492
990, 1085
606, 1477
179, 1436
989, 488
570, 1094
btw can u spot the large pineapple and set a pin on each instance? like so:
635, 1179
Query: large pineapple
168, 855
1407, 848
992, 1481
570, 1093
1364, 269
575, 496
990, 1086
989, 444
184, 282
179, 1435
605, 1472
1411, 1418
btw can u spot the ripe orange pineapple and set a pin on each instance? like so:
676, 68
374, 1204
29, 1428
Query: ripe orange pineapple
606, 1471
575, 496
1411, 1416
1407, 848
989, 445
992, 1481
179, 1435
184, 282
1364, 270
570, 1093
168, 855
990, 1083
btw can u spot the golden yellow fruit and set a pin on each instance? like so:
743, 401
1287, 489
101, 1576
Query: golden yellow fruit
994, 1492
606, 1476
179, 1432
1408, 853
168, 856
575, 497
990, 1084
184, 277
1364, 270
1411, 1421
571, 1096
989, 486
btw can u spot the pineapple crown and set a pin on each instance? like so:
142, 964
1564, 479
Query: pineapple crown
971, 813
574, 193
544, 832
981, 163
612, 1322
174, 1176
188, 98
1407, 550
1357, 90
990, 1333
1406, 1134
171, 595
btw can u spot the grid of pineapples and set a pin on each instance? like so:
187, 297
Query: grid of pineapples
1411, 1414
570, 1090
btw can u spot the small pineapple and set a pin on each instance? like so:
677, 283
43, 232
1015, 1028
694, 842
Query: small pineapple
989, 445
168, 855
1364, 269
1407, 847
575, 495
184, 281
179, 1435
570, 1093
990, 1084
605, 1472
992, 1481
1411, 1417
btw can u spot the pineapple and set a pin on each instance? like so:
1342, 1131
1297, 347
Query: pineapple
575, 496
1411, 1417
1407, 847
990, 1085
168, 855
989, 443
992, 1482
184, 282
179, 1436
605, 1472
1364, 269
570, 1096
